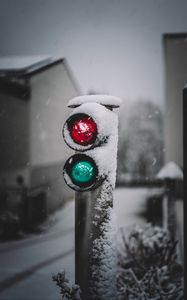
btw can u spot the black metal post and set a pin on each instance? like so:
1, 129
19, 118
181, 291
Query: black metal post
165, 211
185, 177
82, 229
170, 194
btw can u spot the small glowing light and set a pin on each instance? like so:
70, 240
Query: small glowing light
83, 130
82, 172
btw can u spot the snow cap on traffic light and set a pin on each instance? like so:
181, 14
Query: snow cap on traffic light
106, 100
88, 126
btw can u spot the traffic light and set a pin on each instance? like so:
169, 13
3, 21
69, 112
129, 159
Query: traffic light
89, 132
92, 131
80, 172
80, 129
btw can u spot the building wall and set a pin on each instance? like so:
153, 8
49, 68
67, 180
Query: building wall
14, 138
50, 92
49, 178
175, 55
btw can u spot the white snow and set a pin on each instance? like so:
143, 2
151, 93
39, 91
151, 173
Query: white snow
128, 203
171, 171
21, 255
103, 253
101, 99
59, 238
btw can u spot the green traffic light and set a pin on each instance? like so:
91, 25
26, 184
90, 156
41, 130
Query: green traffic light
82, 172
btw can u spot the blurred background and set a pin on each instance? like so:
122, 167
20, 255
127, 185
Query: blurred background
51, 51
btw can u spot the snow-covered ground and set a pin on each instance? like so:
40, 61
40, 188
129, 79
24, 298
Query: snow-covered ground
26, 266
128, 204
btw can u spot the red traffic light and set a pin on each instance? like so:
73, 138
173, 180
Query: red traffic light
82, 130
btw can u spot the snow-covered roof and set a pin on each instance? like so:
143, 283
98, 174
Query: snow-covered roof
21, 65
170, 171
108, 100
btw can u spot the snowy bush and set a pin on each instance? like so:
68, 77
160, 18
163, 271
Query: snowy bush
67, 290
148, 267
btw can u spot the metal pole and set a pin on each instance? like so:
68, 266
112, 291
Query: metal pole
170, 186
165, 212
82, 229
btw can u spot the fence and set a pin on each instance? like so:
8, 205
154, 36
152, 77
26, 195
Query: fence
164, 205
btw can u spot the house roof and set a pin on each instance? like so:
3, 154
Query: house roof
15, 70
20, 66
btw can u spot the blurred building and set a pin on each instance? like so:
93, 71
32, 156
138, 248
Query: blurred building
175, 56
34, 92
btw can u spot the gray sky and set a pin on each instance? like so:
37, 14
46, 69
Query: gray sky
112, 46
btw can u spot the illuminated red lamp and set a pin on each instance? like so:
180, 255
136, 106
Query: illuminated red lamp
82, 129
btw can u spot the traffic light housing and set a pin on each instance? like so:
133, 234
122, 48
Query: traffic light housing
81, 172
91, 130
80, 129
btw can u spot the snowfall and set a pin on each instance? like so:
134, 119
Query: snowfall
27, 265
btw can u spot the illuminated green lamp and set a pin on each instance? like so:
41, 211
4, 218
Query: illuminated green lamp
80, 172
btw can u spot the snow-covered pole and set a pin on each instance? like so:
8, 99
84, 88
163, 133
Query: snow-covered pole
93, 129
169, 175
